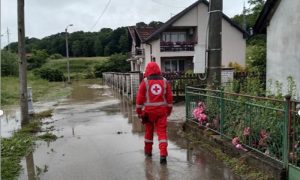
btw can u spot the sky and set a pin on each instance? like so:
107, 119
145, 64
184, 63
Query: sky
47, 17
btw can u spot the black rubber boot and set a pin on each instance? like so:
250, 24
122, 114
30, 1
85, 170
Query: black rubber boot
148, 155
163, 160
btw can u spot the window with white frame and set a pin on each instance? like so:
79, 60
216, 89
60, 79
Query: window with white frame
174, 65
174, 36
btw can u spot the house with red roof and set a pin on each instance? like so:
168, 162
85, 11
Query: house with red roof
180, 43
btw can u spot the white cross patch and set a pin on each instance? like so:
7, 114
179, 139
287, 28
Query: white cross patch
156, 89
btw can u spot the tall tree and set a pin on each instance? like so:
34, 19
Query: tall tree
251, 14
76, 48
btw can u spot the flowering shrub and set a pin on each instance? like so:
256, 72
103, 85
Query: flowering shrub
199, 113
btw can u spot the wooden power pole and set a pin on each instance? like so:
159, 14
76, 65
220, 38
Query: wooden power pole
215, 43
22, 64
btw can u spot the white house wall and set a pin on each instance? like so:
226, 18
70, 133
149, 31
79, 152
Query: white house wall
233, 43
283, 45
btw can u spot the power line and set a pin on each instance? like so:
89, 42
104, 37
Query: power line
98, 19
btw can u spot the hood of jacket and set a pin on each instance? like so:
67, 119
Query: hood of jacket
152, 68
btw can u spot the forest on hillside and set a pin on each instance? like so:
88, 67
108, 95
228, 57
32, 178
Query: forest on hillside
105, 42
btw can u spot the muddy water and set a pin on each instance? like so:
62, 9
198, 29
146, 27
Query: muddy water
102, 138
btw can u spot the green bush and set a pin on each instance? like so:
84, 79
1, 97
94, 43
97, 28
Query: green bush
256, 58
116, 63
9, 64
50, 74
38, 58
56, 56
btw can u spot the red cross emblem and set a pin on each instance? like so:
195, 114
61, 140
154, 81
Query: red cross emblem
156, 89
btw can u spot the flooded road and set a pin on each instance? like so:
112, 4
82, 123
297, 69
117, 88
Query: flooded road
100, 137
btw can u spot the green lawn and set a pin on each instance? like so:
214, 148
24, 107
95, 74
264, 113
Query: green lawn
77, 65
41, 89
81, 67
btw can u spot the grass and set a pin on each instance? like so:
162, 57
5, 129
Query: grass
77, 65
41, 89
238, 165
19, 145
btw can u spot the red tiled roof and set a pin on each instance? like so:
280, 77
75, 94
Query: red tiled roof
144, 32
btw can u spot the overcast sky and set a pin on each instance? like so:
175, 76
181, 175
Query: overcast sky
46, 17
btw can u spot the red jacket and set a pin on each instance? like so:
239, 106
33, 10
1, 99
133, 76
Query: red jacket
154, 94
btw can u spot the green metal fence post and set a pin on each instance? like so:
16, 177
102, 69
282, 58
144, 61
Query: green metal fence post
285, 154
222, 115
186, 102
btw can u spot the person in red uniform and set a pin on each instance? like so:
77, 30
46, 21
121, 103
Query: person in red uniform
154, 101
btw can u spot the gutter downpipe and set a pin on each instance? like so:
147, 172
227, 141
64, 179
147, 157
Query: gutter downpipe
150, 50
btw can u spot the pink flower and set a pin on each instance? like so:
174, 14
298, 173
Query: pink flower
247, 131
202, 117
263, 134
235, 141
207, 125
239, 146
201, 104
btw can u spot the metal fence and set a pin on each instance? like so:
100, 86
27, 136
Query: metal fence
267, 126
179, 81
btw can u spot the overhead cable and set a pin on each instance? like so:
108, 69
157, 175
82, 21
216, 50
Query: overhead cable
100, 16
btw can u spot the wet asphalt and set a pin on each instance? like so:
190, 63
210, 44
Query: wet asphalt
100, 137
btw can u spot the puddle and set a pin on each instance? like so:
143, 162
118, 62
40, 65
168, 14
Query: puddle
101, 135
10, 122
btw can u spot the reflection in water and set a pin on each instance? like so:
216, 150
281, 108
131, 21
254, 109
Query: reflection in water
199, 163
30, 167
155, 171
10, 122
73, 131
85, 91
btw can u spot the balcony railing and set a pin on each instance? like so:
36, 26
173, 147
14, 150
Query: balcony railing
177, 46
137, 53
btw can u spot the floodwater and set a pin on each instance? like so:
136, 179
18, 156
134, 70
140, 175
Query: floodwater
100, 137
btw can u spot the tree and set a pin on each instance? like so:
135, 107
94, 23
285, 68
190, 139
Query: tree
9, 64
76, 48
98, 47
256, 58
123, 43
256, 45
155, 24
37, 59
116, 63
141, 24
105, 42
251, 14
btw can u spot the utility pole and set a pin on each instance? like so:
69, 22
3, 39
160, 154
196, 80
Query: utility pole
8, 46
215, 43
1, 112
22, 64
67, 52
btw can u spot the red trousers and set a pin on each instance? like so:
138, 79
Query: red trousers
159, 123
